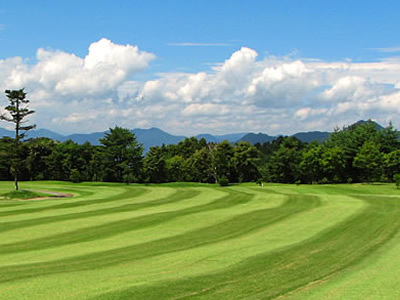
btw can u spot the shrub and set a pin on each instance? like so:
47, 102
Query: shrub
324, 181
128, 178
75, 176
223, 181
396, 179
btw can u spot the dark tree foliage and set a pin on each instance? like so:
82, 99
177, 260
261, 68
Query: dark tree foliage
362, 152
359, 153
245, 160
200, 167
224, 162
121, 157
38, 160
176, 169
284, 163
155, 166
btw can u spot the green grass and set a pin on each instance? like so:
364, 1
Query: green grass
180, 241
22, 195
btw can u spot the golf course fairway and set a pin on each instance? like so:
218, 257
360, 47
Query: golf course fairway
200, 241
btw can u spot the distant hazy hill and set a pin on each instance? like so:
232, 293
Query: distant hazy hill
377, 126
81, 138
307, 137
157, 137
255, 138
5, 132
233, 137
310, 136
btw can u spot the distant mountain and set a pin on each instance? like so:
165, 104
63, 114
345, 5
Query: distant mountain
232, 137
82, 138
155, 137
5, 132
44, 133
255, 138
34, 134
311, 136
361, 122
306, 137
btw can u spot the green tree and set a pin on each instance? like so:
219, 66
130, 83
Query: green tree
121, 155
369, 161
176, 170
67, 156
188, 147
311, 164
155, 166
350, 140
224, 163
38, 162
6, 148
16, 111
246, 159
284, 164
333, 163
391, 162
199, 166
388, 139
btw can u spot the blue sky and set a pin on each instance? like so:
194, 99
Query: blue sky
313, 63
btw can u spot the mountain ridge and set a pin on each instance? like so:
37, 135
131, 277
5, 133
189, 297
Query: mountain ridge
156, 137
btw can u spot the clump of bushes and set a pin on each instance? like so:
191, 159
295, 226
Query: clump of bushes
396, 178
223, 181
75, 176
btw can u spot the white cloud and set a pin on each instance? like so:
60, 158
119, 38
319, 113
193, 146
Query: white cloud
351, 88
243, 93
306, 112
206, 109
389, 49
106, 66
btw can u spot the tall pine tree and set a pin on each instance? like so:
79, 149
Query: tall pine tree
16, 111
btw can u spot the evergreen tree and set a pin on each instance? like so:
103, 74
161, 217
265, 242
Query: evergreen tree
369, 161
17, 110
155, 166
121, 155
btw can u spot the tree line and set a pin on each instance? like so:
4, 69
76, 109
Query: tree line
358, 153
120, 158
362, 152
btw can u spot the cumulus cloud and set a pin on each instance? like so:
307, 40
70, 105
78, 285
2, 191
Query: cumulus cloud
105, 67
243, 93
352, 88
206, 109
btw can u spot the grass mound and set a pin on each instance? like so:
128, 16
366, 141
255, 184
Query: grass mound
22, 195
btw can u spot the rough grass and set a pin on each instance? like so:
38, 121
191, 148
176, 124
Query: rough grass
178, 241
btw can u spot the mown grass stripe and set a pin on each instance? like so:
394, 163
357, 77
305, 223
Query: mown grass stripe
118, 227
106, 230
234, 227
126, 193
178, 196
274, 274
